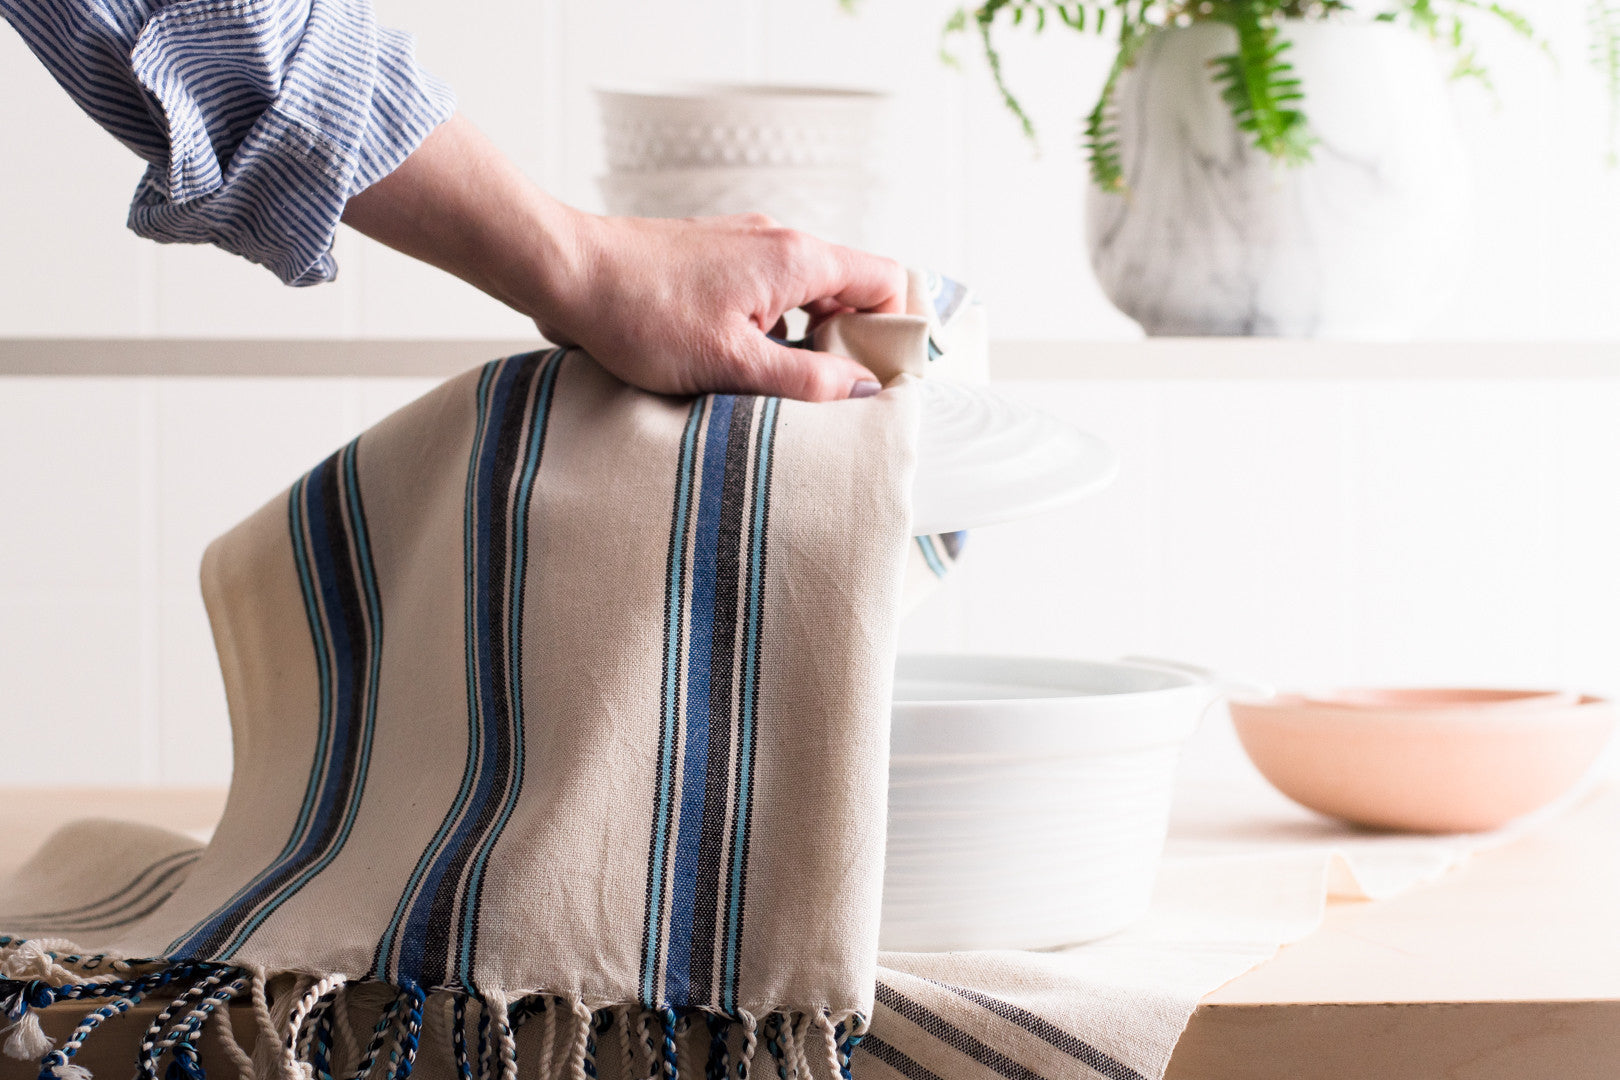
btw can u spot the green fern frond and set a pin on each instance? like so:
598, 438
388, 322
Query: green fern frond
954, 26
1423, 17
1514, 20
985, 18
1467, 66
1260, 87
1101, 132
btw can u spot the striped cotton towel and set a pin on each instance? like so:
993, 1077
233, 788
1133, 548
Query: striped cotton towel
561, 729
544, 690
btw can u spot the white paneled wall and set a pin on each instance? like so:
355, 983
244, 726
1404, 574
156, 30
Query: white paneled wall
965, 194
1319, 533
112, 488
1295, 532
1299, 532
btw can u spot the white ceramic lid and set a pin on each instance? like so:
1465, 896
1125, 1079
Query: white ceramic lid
983, 459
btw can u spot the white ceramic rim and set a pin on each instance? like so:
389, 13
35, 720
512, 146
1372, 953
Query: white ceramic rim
1296, 709
1071, 720
921, 665
830, 176
1336, 698
740, 92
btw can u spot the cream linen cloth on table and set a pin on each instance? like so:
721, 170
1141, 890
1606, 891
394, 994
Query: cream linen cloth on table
542, 686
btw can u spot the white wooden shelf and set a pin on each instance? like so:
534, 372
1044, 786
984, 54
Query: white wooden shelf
1162, 358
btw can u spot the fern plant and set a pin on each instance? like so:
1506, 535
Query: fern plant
1257, 82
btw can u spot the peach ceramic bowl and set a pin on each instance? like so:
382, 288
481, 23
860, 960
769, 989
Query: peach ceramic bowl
1418, 766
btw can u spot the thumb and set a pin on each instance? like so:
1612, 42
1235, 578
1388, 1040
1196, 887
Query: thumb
803, 374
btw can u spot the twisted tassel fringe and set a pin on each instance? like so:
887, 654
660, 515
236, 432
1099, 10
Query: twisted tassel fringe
503, 1054
305, 1026
26, 1040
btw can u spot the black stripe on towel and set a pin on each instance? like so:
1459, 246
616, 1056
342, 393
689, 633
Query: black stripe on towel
111, 918
1040, 1027
126, 919
897, 1061
728, 559
952, 1036
748, 699
90, 910
448, 955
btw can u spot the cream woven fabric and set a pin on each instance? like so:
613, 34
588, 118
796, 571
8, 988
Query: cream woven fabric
561, 730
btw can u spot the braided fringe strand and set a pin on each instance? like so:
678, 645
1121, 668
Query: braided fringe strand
745, 1060
403, 1059
223, 1032
458, 1038
627, 1049
504, 1051
181, 1038
671, 1059
306, 1004
580, 1065
800, 1034
773, 1044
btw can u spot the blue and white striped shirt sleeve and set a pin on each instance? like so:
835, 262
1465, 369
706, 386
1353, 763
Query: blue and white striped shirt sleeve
258, 119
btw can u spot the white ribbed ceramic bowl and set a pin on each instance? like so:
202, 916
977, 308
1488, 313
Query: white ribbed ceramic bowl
699, 126
1028, 797
833, 204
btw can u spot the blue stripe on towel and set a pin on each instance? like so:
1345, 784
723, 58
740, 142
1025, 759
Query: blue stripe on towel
698, 862
430, 931
700, 641
674, 602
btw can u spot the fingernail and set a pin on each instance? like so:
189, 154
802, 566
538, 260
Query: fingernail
865, 388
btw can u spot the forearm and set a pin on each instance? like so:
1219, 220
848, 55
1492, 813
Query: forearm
674, 306
459, 204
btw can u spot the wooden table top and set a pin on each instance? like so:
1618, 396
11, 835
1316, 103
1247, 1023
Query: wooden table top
1506, 967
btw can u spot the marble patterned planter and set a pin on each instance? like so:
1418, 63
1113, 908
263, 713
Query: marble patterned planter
1212, 238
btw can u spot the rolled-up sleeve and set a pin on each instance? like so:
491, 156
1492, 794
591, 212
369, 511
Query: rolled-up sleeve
258, 119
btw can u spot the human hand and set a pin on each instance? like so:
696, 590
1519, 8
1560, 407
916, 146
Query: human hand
684, 306
672, 306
